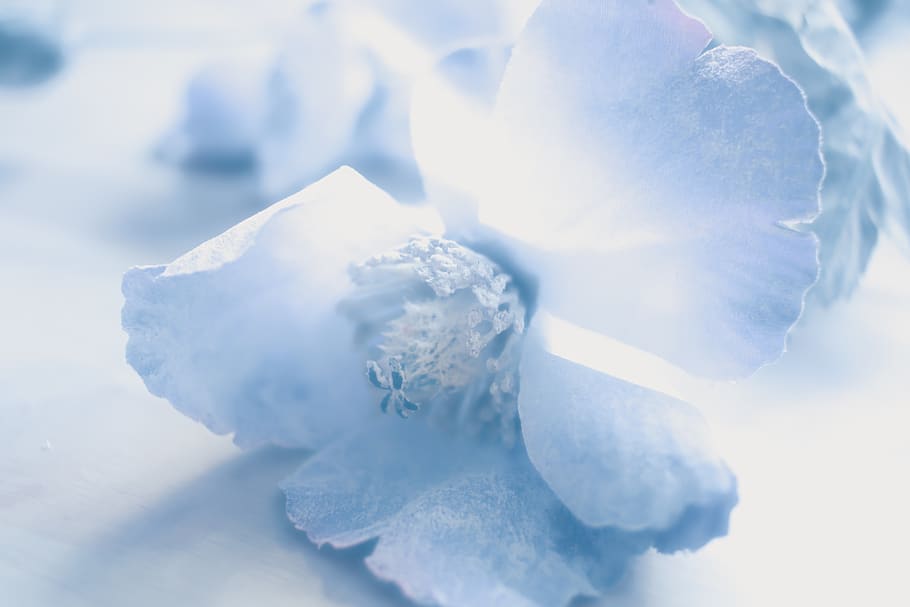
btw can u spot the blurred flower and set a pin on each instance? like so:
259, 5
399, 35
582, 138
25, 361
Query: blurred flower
289, 114
635, 184
862, 15
30, 42
867, 186
336, 92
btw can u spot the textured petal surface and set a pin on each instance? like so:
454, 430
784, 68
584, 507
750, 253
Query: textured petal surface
459, 523
867, 186
653, 183
242, 333
617, 454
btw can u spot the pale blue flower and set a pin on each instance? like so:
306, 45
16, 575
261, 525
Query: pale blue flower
867, 187
636, 185
336, 91
290, 113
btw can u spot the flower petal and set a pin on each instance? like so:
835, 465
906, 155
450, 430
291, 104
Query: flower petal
867, 183
242, 332
459, 523
652, 186
620, 455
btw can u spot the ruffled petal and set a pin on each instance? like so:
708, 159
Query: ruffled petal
242, 333
652, 186
459, 523
867, 183
620, 455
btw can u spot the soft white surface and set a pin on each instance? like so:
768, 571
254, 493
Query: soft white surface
109, 497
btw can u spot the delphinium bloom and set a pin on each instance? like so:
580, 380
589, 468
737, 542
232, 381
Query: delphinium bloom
337, 89
643, 187
867, 186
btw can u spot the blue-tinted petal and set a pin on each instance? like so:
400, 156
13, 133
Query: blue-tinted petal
620, 455
459, 523
867, 185
242, 333
348, 492
655, 182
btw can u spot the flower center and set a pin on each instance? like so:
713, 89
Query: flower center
443, 326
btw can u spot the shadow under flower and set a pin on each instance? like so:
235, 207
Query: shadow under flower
175, 210
223, 539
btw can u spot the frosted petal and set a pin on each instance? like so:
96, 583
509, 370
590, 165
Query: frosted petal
242, 333
620, 455
290, 112
655, 183
459, 523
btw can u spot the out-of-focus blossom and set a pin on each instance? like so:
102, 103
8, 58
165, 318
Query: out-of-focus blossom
226, 108
290, 114
31, 46
337, 91
867, 187
632, 183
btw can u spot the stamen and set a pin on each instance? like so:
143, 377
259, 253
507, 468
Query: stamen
449, 337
